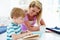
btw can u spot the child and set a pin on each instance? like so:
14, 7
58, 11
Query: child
14, 28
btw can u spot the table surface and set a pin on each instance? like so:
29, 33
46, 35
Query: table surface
46, 36
49, 36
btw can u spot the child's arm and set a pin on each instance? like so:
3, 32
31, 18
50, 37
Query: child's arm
15, 36
11, 32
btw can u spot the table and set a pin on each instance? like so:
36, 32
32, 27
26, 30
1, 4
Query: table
49, 36
46, 36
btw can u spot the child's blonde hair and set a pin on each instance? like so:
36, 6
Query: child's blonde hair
17, 12
39, 6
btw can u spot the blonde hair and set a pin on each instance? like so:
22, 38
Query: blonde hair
17, 12
39, 6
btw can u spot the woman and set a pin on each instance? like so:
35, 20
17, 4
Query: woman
32, 15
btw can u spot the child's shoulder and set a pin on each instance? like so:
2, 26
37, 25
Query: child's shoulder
10, 25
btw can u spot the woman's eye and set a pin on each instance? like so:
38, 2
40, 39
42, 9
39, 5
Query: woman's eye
33, 10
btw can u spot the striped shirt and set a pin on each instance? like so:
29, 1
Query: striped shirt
13, 29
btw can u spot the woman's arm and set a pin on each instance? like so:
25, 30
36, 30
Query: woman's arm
30, 27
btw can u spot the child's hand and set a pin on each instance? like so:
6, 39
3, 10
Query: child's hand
28, 32
14, 36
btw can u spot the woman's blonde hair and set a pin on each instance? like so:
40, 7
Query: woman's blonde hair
39, 6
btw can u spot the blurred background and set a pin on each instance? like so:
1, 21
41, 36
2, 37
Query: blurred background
50, 13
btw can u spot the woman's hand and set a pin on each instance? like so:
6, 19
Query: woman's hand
36, 28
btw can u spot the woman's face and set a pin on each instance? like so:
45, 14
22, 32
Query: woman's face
33, 11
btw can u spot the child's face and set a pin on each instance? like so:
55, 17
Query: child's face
19, 20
